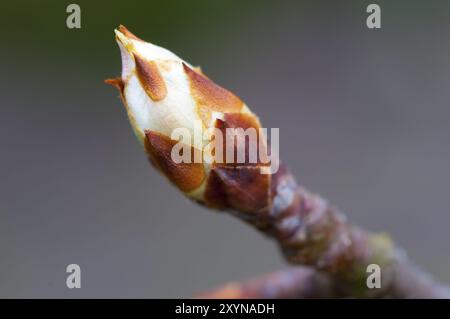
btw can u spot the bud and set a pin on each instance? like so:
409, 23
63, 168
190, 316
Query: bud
163, 94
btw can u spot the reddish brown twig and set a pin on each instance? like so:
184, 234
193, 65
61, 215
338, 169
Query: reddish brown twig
298, 282
409, 281
311, 232
306, 283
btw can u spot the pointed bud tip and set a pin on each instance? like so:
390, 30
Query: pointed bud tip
121, 38
122, 29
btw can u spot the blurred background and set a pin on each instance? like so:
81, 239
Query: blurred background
363, 117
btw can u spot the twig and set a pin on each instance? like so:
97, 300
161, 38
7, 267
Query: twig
409, 281
312, 232
294, 283
305, 283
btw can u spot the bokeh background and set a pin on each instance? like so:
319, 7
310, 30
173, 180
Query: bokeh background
363, 117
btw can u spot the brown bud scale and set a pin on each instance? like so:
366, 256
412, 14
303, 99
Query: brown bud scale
186, 176
151, 79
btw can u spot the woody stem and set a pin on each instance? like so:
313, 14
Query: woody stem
311, 232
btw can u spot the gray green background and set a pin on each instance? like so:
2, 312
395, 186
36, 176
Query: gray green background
363, 117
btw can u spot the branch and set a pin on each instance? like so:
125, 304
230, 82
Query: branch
409, 281
293, 283
306, 283
312, 232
